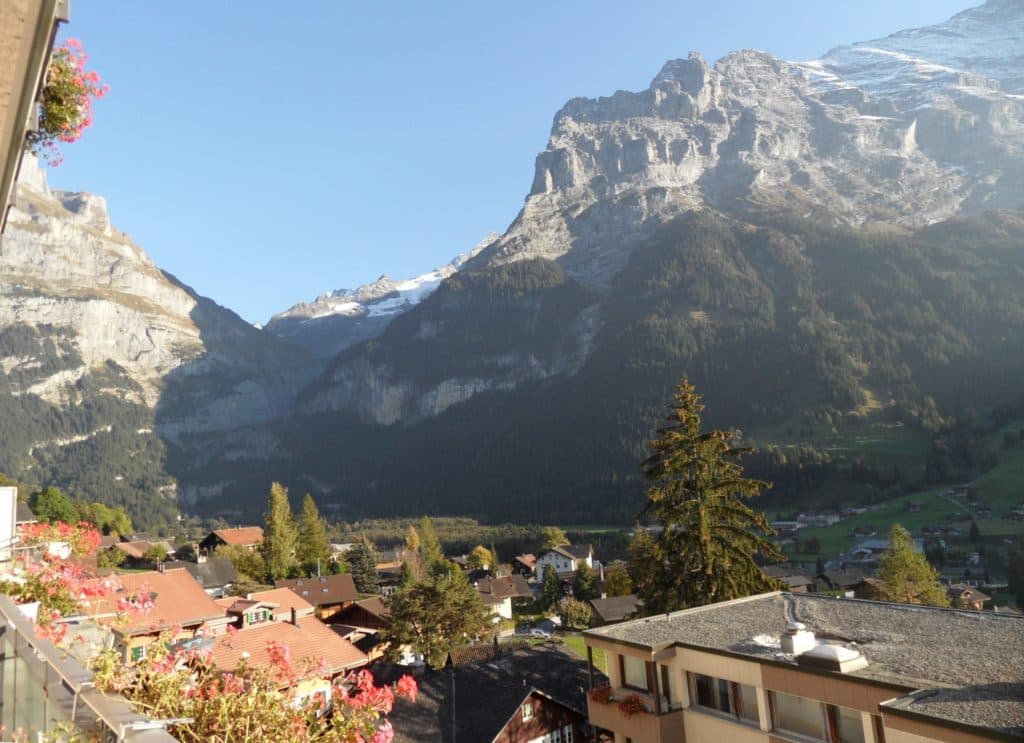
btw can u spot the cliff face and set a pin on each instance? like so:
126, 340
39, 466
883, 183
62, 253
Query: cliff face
904, 131
98, 345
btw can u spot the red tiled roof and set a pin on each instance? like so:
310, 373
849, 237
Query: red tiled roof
177, 600
311, 640
529, 560
244, 536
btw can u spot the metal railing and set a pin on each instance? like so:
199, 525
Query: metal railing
44, 690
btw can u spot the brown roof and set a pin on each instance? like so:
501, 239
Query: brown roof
376, 606
322, 590
498, 589
177, 600
311, 641
529, 560
243, 536
967, 593
135, 550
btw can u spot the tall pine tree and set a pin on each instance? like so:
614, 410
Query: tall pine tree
314, 550
708, 537
280, 536
431, 554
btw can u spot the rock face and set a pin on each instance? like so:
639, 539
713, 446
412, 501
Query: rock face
344, 317
98, 339
908, 130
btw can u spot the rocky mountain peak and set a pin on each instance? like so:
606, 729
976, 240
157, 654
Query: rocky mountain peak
912, 129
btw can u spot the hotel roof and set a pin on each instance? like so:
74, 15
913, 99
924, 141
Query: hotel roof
964, 665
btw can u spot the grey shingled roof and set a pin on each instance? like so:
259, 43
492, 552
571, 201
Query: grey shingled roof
616, 608
968, 661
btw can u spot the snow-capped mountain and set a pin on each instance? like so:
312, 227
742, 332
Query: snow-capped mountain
339, 319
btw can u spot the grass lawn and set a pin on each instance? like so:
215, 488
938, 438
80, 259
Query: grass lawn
575, 643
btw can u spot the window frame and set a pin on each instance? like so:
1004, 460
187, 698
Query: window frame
622, 674
527, 710
734, 700
829, 716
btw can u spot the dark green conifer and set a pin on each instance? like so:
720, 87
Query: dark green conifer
705, 538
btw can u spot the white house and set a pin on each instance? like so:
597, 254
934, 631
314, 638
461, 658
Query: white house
566, 558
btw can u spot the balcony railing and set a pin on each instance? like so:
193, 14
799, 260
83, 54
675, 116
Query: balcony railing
44, 690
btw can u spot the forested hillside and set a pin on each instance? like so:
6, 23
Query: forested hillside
785, 325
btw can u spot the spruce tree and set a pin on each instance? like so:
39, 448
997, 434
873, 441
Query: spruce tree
314, 550
362, 559
704, 548
907, 575
280, 535
550, 589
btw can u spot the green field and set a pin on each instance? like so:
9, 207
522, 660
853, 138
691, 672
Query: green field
883, 444
575, 643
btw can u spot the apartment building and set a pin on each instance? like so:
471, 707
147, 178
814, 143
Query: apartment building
802, 667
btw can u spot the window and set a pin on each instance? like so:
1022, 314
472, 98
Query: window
528, 710
567, 734
792, 714
634, 672
666, 684
736, 700
845, 725
138, 653
255, 617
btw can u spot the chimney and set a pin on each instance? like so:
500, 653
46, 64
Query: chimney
798, 639
295, 617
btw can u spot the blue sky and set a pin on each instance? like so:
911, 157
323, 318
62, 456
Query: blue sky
266, 152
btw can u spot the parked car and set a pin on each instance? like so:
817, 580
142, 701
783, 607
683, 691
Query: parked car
539, 634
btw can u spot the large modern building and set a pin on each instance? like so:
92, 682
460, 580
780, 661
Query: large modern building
802, 667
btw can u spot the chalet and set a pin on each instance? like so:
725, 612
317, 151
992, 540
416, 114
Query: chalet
525, 565
497, 593
371, 613
613, 609
870, 588
173, 600
526, 694
843, 579
565, 559
963, 596
250, 537
135, 552
275, 605
328, 593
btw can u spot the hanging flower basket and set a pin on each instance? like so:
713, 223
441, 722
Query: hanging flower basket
632, 704
65, 107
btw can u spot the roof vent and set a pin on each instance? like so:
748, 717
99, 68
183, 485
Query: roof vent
798, 639
833, 658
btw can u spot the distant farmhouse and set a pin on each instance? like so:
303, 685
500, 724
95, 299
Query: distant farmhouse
250, 537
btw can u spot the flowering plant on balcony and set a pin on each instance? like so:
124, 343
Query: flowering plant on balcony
601, 694
65, 108
632, 704
43, 576
253, 702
